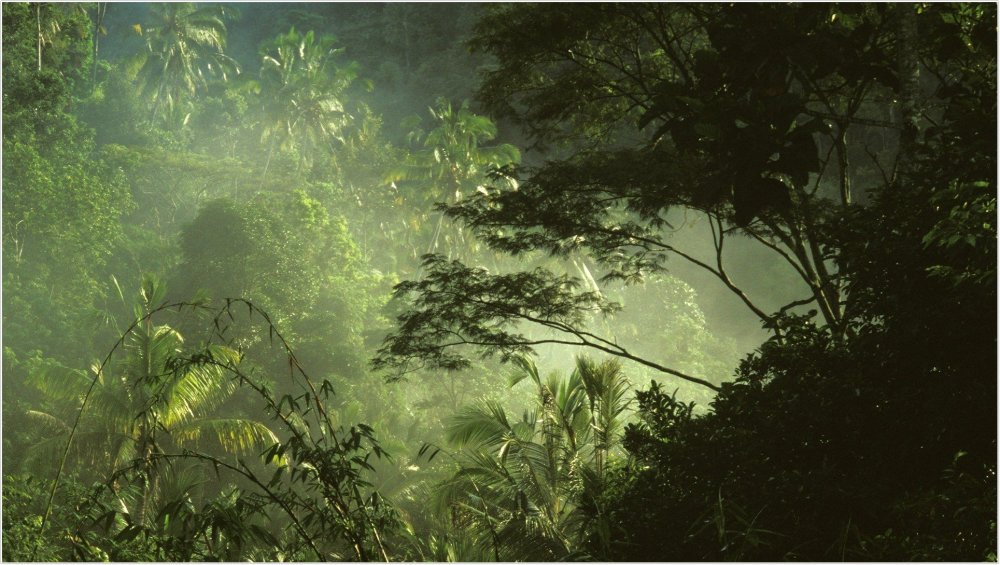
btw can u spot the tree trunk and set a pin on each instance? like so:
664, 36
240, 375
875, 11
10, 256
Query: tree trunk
38, 22
843, 163
98, 21
909, 84
159, 97
146, 485
267, 163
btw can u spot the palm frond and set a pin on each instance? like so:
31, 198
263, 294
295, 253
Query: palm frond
482, 423
200, 389
520, 484
59, 382
234, 435
526, 369
607, 390
47, 422
572, 410
88, 451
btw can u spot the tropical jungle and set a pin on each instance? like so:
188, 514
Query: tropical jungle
499, 282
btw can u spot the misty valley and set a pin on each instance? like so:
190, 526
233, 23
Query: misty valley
499, 282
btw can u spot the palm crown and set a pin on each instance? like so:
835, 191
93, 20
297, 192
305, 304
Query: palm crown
521, 481
303, 93
184, 50
454, 162
150, 404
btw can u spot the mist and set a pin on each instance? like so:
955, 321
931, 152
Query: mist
498, 282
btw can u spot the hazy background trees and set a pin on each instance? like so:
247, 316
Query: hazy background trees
810, 189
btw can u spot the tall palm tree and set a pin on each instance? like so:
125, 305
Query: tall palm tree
453, 161
521, 482
184, 48
49, 25
303, 92
148, 405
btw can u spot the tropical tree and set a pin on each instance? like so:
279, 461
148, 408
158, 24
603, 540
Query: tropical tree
303, 97
294, 256
453, 163
316, 477
134, 412
670, 107
184, 48
526, 488
63, 206
59, 27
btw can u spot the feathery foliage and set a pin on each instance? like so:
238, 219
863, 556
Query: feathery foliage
184, 49
523, 484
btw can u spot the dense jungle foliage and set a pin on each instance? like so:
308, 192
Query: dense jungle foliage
499, 282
